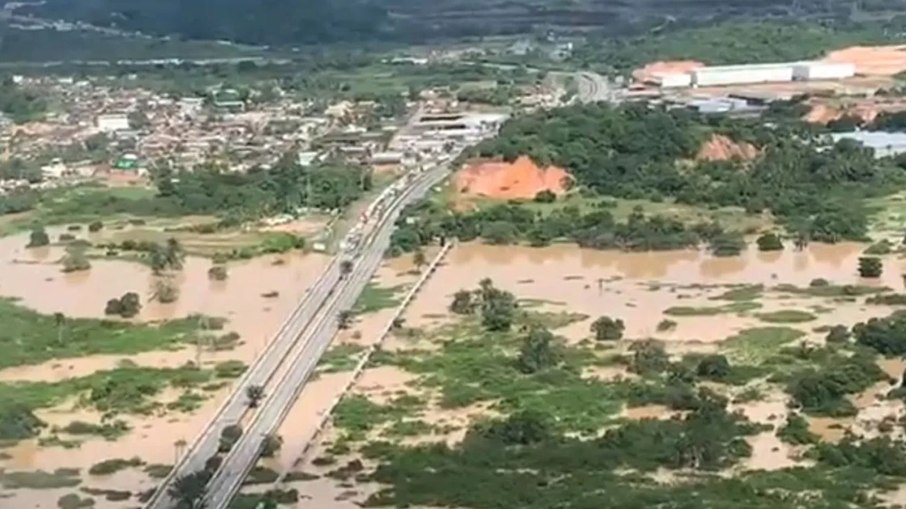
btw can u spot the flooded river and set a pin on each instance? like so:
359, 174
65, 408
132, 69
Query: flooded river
635, 287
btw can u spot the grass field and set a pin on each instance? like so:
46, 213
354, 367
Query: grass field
28, 337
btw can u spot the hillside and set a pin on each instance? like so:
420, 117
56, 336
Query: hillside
275, 22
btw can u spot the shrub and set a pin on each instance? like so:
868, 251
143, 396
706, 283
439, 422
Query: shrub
837, 334
796, 432
111, 466
38, 238
95, 226
870, 267
769, 242
229, 436
73, 501
606, 328
217, 273
545, 196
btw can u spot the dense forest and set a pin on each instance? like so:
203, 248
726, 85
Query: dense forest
235, 197
636, 151
736, 42
272, 22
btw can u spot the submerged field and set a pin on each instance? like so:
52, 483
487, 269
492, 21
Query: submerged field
727, 383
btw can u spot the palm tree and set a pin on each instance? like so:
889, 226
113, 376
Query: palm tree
344, 319
255, 394
175, 254
190, 489
60, 320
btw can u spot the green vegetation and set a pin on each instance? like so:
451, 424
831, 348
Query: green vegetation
217, 273
786, 316
769, 242
795, 431
822, 390
887, 336
736, 307
822, 288
739, 42
126, 306
39, 479
870, 267
28, 337
741, 293
607, 329
20, 105
496, 307
107, 430
74, 501
157, 471
112, 466
755, 346
375, 298
124, 390
341, 357
633, 151
38, 238
879, 248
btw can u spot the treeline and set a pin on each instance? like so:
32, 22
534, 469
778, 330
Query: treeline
504, 224
640, 151
738, 42
284, 188
18, 104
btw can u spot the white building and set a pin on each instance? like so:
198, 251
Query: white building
742, 74
807, 71
113, 122
672, 79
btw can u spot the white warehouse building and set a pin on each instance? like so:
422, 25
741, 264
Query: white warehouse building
742, 74
808, 71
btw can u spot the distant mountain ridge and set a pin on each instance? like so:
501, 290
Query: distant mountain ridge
301, 22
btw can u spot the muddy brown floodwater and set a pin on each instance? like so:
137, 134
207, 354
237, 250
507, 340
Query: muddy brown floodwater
34, 277
638, 288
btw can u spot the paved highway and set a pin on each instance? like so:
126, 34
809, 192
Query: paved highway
261, 373
313, 343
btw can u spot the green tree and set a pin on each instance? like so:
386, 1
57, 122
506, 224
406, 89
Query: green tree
463, 303
75, 259
217, 273
837, 334
271, 445
229, 436
38, 238
713, 367
254, 394
606, 328
545, 196
189, 490
537, 351
60, 320
165, 291
769, 242
870, 267
344, 319
727, 244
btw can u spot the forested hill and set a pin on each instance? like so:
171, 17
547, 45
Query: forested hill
289, 22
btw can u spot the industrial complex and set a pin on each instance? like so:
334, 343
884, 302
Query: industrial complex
753, 73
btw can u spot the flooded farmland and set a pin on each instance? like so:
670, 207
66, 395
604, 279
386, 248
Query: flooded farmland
644, 290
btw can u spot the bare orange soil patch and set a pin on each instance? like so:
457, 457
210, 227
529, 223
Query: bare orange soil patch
872, 60
722, 148
654, 69
520, 179
866, 110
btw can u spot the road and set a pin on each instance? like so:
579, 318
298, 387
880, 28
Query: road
315, 340
264, 370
